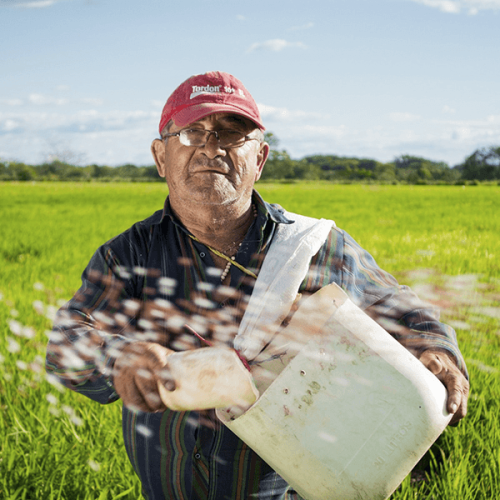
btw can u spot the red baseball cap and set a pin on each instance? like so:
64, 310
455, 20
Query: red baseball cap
203, 95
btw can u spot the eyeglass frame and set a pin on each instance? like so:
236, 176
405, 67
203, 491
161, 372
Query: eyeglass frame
210, 132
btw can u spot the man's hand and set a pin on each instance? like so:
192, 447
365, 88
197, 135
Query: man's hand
137, 371
444, 367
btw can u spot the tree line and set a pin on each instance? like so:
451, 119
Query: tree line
482, 165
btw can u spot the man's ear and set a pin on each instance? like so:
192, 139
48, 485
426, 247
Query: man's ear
158, 152
261, 159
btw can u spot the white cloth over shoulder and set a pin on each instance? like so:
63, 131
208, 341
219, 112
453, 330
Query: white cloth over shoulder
284, 268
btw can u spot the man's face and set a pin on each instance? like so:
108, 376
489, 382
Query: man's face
209, 174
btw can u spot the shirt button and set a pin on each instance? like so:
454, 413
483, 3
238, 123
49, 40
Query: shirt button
197, 456
202, 254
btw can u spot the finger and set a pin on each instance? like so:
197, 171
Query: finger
148, 389
157, 363
457, 401
137, 402
460, 413
166, 379
454, 393
157, 354
123, 382
456, 384
132, 397
432, 362
129, 392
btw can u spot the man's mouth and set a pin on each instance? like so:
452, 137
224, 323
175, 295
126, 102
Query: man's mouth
206, 168
209, 171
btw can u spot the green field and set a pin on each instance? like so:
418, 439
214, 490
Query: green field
442, 240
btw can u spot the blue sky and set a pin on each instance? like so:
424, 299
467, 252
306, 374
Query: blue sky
87, 79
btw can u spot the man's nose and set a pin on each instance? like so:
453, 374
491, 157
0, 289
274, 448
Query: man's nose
212, 148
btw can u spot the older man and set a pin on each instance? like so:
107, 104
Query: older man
197, 261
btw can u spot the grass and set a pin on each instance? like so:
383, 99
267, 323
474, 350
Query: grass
442, 240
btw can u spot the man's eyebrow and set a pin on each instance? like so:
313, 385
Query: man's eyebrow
236, 120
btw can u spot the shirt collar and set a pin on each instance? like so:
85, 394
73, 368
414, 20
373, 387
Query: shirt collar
272, 211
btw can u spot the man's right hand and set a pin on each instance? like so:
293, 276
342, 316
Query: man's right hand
137, 371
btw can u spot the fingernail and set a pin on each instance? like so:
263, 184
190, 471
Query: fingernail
169, 385
454, 408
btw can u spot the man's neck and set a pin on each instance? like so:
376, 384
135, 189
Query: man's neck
223, 227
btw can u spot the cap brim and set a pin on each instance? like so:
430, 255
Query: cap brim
198, 111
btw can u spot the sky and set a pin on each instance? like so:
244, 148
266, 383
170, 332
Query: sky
86, 80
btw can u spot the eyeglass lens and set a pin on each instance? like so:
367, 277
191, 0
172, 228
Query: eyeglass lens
227, 138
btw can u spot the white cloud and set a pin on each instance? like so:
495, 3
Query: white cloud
448, 140
483, 131
403, 117
306, 26
43, 100
63, 87
456, 6
28, 4
12, 102
157, 103
240, 17
326, 131
448, 110
276, 45
86, 121
10, 125
92, 101
272, 113
111, 137
451, 6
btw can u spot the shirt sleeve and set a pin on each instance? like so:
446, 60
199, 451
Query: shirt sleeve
90, 330
412, 322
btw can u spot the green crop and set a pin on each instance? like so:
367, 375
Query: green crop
55, 444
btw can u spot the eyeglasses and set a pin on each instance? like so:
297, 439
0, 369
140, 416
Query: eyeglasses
196, 137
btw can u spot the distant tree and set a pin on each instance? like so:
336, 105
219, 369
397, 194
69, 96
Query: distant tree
483, 164
108, 172
271, 139
367, 164
3, 171
93, 171
385, 172
151, 174
333, 167
279, 165
407, 162
127, 171
306, 171
20, 171
414, 169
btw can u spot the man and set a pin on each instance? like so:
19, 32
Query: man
195, 263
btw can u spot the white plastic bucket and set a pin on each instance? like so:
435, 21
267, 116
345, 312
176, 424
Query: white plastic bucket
350, 415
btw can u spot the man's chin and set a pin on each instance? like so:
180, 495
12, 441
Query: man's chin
213, 197
221, 192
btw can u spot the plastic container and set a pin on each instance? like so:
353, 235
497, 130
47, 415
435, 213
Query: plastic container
212, 377
350, 415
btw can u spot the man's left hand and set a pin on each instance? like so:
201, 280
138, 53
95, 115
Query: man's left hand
444, 367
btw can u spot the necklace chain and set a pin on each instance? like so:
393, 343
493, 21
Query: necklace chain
230, 260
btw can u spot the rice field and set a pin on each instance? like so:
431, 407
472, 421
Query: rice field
441, 240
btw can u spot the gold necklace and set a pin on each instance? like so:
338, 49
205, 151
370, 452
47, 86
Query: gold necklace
230, 260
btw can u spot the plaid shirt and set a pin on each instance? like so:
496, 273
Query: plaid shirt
149, 281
